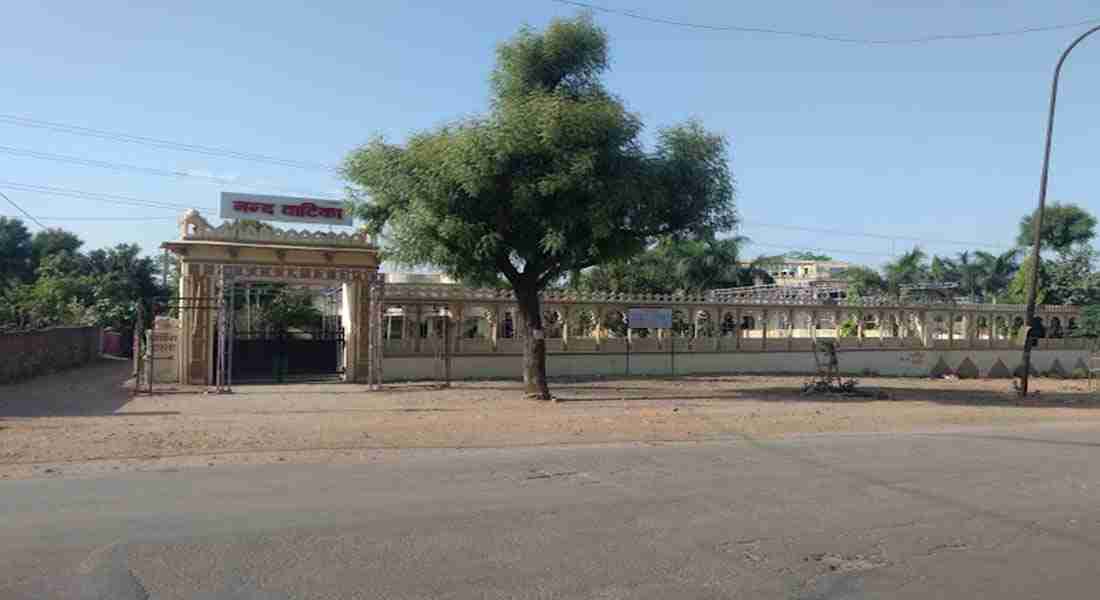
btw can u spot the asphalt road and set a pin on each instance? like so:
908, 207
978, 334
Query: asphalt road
963, 515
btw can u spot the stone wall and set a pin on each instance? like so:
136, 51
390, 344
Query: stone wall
28, 354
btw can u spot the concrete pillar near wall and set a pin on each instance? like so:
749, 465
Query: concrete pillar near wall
764, 329
836, 325
353, 331
950, 327
198, 323
565, 314
495, 326
737, 317
971, 329
923, 329
859, 328
813, 326
790, 328
459, 313
880, 318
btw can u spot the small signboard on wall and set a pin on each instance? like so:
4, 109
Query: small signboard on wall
284, 208
649, 318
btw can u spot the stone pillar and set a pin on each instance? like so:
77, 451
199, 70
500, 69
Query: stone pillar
836, 325
737, 317
971, 330
197, 326
417, 318
881, 322
813, 326
790, 328
859, 328
495, 325
565, 313
764, 329
354, 334
460, 326
923, 329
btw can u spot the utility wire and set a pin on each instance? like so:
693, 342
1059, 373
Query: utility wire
830, 37
162, 143
105, 219
20, 209
87, 162
878, 236
95, 196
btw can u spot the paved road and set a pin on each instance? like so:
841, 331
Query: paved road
964, 515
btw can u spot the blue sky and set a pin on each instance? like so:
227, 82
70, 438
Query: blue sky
937, 141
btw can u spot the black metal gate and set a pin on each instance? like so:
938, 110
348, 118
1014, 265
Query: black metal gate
279, 356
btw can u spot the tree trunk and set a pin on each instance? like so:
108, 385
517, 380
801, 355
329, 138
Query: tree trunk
534, 344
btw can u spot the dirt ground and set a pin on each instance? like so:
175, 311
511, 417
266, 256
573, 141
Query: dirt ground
88, 421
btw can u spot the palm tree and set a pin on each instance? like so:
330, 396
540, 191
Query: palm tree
995, 272
970, 274
907, 269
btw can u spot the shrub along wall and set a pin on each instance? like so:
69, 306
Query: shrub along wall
27, 354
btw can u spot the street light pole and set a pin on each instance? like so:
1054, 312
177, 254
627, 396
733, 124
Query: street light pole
1037, 222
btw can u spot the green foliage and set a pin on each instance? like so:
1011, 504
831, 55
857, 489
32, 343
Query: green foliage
1016, 292
849, 328
1064, 227
864, 281
15, 253
1070, 278
1089, 323
49, 242
673, 266
907, 269
288, 309
103, 288
995, 272
553, 180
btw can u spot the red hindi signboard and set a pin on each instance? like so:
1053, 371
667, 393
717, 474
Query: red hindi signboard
284, 208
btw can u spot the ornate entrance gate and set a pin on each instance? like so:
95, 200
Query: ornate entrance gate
214, 350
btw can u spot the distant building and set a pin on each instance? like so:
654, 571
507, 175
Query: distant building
801, 272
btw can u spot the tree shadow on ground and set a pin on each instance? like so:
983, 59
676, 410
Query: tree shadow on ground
93, 390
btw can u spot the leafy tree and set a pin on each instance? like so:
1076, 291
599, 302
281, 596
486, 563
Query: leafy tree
1071, 278
864, 281
1089, 323
552, 181
52, 241
1064, 226
15, 252
1016, 291
290, 308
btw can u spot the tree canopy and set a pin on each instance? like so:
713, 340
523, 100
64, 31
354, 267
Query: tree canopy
1064, 226
674, 266
15, 252
103, 287
553, 180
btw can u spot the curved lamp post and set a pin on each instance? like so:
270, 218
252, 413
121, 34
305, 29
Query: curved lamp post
1033, 284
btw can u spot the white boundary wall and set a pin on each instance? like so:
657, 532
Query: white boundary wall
905, 363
